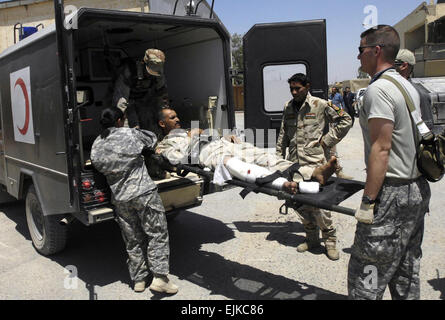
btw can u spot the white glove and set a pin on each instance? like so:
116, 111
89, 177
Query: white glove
122, 104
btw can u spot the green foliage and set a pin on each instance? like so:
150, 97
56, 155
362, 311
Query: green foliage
362, 74
237, 58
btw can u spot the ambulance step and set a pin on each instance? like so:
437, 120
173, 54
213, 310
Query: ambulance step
99, 215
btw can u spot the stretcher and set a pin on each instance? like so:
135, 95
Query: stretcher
331, 194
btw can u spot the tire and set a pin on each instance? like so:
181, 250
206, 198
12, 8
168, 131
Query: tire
47, 234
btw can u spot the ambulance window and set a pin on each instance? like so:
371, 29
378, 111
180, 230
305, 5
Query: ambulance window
275, 86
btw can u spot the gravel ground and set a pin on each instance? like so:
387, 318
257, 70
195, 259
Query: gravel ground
228, 248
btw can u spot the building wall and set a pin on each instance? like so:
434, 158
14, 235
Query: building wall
413, 31
43, 12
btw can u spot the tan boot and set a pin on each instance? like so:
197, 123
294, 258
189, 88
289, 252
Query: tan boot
139, 286
161, 283
312, 240
330, 243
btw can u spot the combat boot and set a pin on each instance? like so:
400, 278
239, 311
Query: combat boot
139, 286
330, 243
162, 283
312, 240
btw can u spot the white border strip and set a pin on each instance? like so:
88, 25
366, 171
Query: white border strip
37, 166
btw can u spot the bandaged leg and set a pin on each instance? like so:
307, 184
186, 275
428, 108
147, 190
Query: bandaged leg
250, 172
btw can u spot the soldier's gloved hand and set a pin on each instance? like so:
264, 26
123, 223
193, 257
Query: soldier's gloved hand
365, 213
122, 104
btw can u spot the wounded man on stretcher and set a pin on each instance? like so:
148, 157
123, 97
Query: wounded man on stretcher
229, 157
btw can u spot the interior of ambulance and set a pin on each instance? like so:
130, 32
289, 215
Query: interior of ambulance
195, 72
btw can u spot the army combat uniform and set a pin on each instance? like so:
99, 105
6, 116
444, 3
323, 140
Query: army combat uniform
142, 93
301, 131
140, 212
388, 251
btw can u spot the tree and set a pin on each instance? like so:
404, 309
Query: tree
362, 74
237, 58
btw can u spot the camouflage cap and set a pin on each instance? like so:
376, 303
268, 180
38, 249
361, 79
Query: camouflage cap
154, 61
405, 55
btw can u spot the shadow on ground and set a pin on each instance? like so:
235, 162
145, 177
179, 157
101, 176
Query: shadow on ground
438, 285
232, 279
15, 211
283, 233
99, 255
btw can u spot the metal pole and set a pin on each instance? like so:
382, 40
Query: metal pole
174, 9
196, 9
299, 198
211, 9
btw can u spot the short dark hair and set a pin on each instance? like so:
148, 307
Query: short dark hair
386, 36
109, 117
300, 78
161, 112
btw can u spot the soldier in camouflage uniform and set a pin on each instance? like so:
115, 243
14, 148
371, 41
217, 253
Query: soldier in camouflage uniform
304, 119
116, 153
179, 144
140, 90
387, 245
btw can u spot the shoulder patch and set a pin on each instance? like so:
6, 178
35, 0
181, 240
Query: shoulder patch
339, 110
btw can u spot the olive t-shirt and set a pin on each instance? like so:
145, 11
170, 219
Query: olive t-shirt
384, 100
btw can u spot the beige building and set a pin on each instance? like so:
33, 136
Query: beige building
422, 32
31, 13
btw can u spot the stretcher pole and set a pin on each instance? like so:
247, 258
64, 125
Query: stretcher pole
298, 199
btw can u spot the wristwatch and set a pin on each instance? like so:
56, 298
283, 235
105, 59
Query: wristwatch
367, 200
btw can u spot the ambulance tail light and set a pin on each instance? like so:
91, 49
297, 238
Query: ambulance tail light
87, 184
92, 192
99, 196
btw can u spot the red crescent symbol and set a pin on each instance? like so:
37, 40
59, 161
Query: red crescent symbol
21, 83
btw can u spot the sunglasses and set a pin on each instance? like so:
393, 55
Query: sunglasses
362, 48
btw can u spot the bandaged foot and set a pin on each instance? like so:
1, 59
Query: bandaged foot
309, 187
324, 172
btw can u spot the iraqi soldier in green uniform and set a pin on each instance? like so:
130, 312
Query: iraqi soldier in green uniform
304, 119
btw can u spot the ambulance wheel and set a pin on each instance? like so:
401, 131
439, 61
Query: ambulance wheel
47, 234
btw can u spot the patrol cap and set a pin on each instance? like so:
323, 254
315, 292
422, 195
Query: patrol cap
154, 62
405, 55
